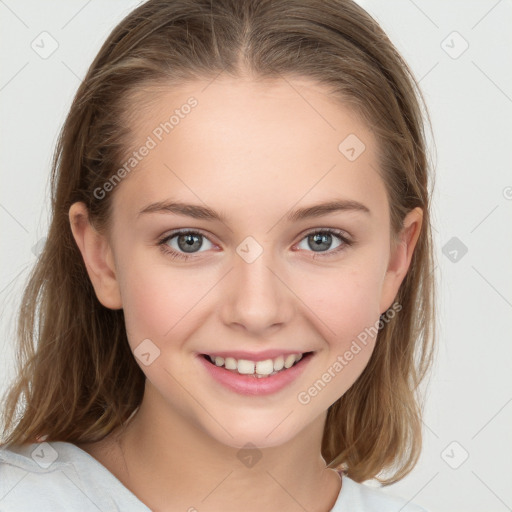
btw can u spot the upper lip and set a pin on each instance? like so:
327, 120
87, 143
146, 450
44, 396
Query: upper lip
254, 356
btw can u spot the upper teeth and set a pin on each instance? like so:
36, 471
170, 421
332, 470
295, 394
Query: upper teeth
266, 367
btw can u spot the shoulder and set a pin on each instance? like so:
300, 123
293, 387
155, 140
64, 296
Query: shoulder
37, 476
59, 476
359, 497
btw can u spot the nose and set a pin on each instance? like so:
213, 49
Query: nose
255, 296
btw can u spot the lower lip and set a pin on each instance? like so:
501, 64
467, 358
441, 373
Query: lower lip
249, 385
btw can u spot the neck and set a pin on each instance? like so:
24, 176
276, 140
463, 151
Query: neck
171, 464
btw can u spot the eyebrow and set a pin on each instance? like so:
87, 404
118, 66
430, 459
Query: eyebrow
203, 212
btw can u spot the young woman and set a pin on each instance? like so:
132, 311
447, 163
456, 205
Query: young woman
234, 306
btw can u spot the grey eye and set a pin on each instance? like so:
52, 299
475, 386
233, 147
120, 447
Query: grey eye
319, 242
188, 242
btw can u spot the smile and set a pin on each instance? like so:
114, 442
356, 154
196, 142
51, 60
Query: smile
244, 376
263, 368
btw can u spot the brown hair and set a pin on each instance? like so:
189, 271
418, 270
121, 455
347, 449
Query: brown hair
82, 381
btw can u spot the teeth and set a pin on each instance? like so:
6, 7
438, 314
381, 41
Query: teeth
245, 367
259, 368
265, 367
279, 363
289, 361
230, 363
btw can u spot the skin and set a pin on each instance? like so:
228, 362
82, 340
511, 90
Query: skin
253, 152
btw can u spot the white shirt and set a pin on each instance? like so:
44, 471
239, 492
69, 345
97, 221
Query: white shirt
59, 476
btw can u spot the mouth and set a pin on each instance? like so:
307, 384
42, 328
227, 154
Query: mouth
257, 369
255, 378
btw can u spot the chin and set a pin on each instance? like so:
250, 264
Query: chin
273, 431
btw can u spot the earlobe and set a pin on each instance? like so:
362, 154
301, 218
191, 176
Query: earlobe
97, 255
401, 257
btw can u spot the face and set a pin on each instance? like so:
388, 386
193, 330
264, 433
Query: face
250, 269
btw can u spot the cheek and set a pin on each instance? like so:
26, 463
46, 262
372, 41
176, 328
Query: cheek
345, 302
346, 313
158, 301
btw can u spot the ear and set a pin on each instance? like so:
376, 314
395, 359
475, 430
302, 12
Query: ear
400, 258
97, 255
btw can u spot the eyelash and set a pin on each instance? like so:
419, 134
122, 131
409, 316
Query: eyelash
162, 243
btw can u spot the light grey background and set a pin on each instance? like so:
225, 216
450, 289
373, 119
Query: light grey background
469, 94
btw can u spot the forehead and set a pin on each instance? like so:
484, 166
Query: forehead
248, 143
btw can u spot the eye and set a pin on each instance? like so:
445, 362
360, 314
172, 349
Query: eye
181, 243
321, 240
